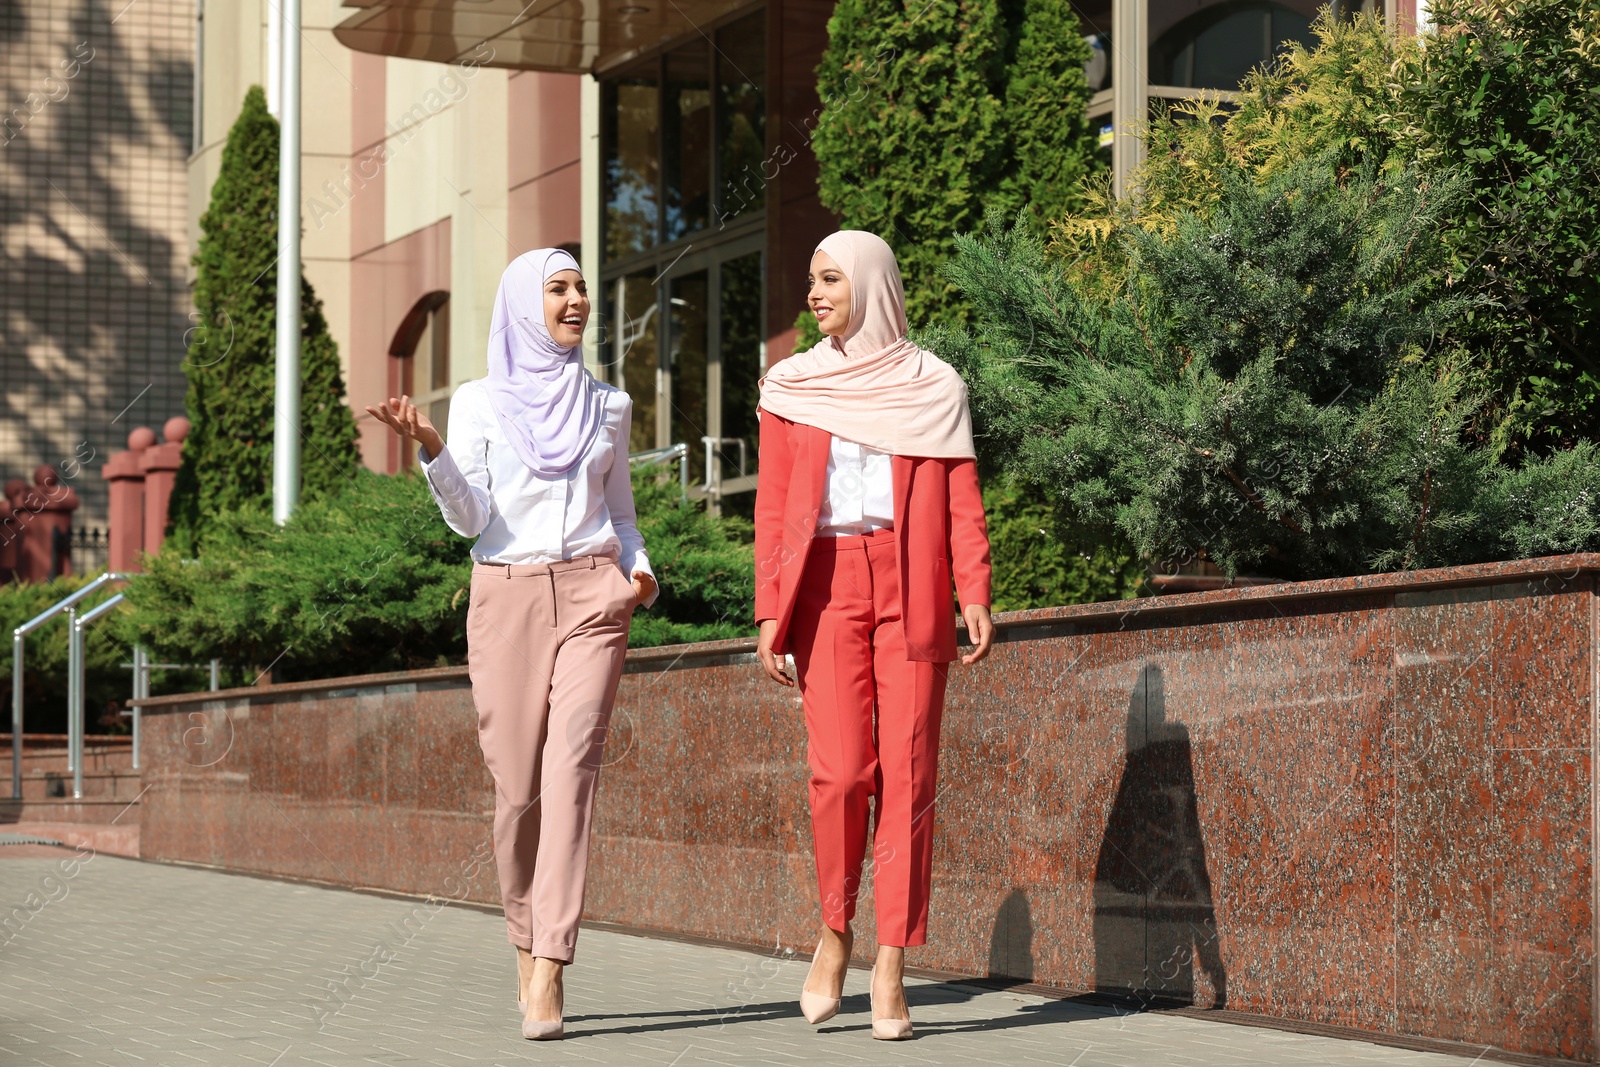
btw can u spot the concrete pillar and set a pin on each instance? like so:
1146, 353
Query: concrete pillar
45, 516
1130, 88
126, 491
160, 466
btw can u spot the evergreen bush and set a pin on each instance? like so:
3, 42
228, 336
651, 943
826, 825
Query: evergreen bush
227, 457
933, 112
1501, 95
1507, 94
1262, 394
44, 662
373, 580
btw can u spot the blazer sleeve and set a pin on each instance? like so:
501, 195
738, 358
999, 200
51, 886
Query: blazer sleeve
776, 465
969, 535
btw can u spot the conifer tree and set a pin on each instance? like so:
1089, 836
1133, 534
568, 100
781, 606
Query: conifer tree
227, 457
1048, 134
1263, 393
934, 112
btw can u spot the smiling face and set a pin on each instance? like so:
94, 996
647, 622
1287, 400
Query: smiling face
829, 296
566, 307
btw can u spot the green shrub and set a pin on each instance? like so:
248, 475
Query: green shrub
1262, 394
1507, 95
931, 113
227, 457
44, 669
1501, 97
369, 580
1035, 568
705, 564
373, 580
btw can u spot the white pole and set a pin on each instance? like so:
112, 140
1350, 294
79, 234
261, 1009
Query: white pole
16, 713
286, 422
138, 694
72, 690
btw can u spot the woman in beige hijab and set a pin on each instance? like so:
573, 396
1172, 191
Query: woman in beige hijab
867, 506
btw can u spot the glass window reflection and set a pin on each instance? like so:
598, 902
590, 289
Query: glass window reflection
686, 113
631, 167
631, 361
686, 364
741, 115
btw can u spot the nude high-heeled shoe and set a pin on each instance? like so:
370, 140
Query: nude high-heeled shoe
885, 1029
543, 1029
814, 1006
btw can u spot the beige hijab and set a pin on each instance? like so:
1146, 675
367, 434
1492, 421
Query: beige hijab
873, 386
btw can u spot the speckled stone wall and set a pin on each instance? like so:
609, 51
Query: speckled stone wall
1366, 802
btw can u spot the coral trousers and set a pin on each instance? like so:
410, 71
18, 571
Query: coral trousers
545, 645
872, 719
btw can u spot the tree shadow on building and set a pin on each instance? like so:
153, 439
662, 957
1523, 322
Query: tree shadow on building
1011, 941
1154, 916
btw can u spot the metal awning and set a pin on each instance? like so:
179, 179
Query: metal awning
569, 36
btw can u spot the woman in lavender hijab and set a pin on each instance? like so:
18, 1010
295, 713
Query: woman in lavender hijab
537, 470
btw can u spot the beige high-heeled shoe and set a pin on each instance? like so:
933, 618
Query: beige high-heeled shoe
542, 1029
885, 1029
814, 1006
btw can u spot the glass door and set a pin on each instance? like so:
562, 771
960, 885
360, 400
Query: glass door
707, 362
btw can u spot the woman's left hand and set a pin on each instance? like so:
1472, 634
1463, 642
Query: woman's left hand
981, 629
644, 587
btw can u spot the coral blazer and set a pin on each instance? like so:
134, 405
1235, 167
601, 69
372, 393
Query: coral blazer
939, 529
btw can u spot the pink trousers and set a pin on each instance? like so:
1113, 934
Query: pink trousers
545, 645
872, 720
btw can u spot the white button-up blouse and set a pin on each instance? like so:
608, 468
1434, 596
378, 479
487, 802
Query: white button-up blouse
859, 493
484, 490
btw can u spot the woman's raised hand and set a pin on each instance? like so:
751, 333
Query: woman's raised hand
404, 418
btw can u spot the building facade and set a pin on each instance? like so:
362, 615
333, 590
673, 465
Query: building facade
666, 145
96, 106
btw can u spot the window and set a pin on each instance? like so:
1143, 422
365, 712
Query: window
683, 139
1218, 46
421, 367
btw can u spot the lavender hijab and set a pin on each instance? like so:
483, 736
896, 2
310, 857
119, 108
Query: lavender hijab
544, 397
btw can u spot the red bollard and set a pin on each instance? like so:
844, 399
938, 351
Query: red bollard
44, 513
160, 465
126, 490
10, 536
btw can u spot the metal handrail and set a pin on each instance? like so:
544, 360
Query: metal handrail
75, 687
679, 452
18, 640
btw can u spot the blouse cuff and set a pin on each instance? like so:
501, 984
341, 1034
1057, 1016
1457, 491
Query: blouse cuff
640, 564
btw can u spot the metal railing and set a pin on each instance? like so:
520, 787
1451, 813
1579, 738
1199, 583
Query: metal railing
19, 636
679, 452
75, 685
77, 672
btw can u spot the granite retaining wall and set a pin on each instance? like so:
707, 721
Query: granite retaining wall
1366, 802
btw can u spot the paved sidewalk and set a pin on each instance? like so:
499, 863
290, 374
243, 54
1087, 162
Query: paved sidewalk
130, 964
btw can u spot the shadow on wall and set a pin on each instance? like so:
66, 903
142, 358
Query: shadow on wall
1011, 943
1154, 918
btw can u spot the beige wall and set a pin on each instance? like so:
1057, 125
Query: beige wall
414, 175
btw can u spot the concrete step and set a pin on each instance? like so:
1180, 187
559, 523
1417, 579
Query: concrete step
57, 782
119, 840
90, 810
49, 752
